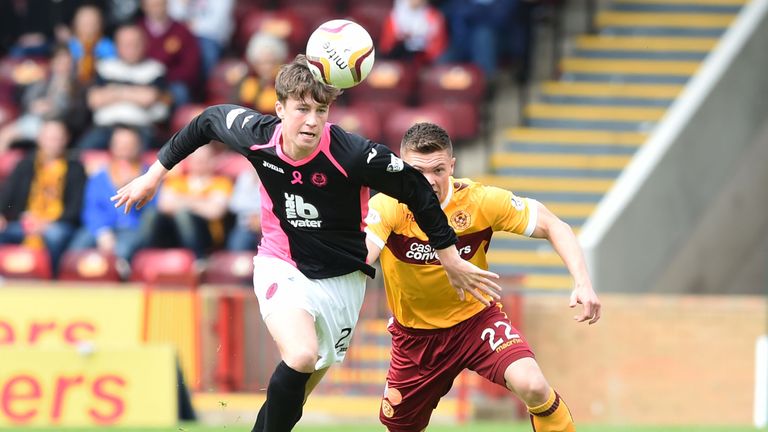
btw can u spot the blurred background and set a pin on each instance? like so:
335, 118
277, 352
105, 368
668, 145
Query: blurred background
641, 123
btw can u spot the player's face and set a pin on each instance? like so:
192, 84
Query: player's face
437, 167
303, 122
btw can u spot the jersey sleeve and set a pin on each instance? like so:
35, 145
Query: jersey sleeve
509, 212
383, 171
237, 127
381, 219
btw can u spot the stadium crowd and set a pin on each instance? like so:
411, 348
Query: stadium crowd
89, 90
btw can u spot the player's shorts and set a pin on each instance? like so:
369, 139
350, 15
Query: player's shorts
425, 362
334, 302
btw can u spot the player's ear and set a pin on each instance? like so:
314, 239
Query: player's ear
279, 109
453, 165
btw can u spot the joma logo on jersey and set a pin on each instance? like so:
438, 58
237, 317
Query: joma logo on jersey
301, 214
273, 167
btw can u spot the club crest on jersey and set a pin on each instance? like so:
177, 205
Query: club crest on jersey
460, 220
319, 179
395, 164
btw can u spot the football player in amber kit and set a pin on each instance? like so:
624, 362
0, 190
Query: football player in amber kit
435, 335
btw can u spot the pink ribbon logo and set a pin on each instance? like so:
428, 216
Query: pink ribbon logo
296, 178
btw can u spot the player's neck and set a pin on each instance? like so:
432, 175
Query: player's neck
295, 152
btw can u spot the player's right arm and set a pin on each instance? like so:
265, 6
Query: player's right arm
237, 127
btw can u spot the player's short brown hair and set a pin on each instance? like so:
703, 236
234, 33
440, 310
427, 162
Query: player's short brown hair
295, 80
426, 138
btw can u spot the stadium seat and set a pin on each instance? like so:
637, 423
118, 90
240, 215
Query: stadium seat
403, 118
360, 119
281, 23
8, 112
370, 15
183, 115
94, 159
23, 71
8, 161
460, 89
230, 268
164, 266
231, 164
88, 265
222, 84
312, 13
22, 262
390, 83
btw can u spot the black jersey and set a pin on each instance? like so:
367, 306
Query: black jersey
313, 210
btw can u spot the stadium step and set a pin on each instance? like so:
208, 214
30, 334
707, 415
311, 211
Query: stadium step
612, 22
589, 93
643, 47
696, 6
572, 141
592, 117
627, 71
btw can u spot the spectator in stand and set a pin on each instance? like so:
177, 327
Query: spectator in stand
34, 26
88, 43
245, 204
59, 96
104, 227
414, 30
40, 203
172, 44
210, 21
129, 90
118, 13
194, 203
265, 54
476, 27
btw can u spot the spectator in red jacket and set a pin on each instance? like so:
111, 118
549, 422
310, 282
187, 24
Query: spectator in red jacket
172, 44
414, 30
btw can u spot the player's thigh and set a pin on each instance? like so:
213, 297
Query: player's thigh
418, 377
492, 343
294, 333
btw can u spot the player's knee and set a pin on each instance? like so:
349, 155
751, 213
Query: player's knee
302, 360
534, 390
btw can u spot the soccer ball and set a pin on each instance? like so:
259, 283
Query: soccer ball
340, 53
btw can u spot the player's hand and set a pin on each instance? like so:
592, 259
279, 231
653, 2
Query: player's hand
465, 276
584, 295
139, 191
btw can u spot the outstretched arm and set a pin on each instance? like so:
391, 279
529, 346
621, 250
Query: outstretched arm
564, 241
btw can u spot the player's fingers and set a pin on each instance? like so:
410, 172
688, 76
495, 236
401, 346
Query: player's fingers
491, 285
487, 274
596, 317
460, 292
574, 300
491, 290
588, 312
478, 296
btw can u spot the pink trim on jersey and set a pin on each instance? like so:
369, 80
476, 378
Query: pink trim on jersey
365, 193
324, 146
274, 241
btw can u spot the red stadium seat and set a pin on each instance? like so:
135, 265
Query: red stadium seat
183, 115
360, 119
88, 265
451, 82
231, 164
22, 262
402, 119
164, 266
281, 23
222, 85
312, 13
8, 112
370, 15
94, 159
230, 268
8, 161
459, 88
390, 82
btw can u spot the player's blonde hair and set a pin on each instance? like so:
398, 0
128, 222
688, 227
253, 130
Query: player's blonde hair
426, 138
295, 80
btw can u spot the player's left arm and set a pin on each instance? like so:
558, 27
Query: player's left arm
565, 243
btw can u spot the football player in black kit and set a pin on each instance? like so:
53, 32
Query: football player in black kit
310, 270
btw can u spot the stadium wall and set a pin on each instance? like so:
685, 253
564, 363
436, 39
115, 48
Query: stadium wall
673, 181
655, 360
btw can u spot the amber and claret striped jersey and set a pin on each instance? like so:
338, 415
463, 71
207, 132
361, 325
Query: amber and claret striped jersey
313, 210
418, 291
